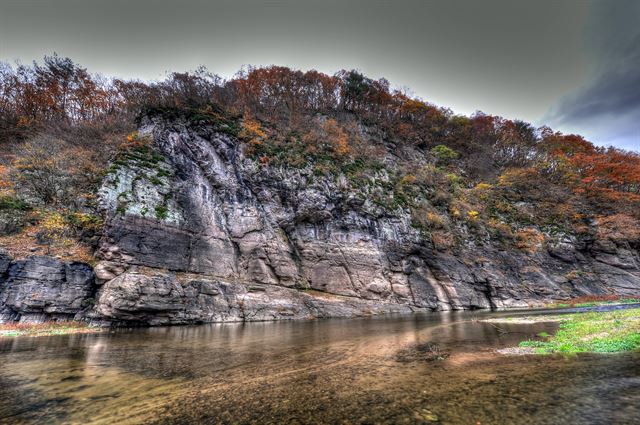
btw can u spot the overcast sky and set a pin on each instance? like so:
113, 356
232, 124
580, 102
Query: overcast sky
573, 64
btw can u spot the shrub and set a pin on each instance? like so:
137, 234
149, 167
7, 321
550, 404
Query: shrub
427, 219
500, 231
162, 212
444, 154
442, 240
529, 239
8, 202
54, 229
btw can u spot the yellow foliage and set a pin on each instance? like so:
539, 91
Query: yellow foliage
472, 215
517, 176
253, 133
483, 186
251, 129
53, 222
408, 179
434, 219
427, 219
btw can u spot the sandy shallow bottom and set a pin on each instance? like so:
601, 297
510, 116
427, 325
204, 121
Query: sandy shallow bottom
403, 369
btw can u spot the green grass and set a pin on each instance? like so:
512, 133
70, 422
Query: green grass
596, 332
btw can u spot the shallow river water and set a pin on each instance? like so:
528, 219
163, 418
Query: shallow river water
397, 369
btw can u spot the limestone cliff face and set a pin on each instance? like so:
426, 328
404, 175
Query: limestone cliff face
197, 232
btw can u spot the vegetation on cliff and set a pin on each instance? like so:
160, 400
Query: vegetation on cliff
481, 177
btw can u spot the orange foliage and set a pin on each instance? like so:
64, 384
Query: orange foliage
6, 184
619, 227
559, 144
614, 169
529, 239
337, 137
253, 133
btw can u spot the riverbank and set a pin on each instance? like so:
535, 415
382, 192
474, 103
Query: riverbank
46, 329
594, 300
612, 331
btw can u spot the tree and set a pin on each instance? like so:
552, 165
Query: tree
49, 171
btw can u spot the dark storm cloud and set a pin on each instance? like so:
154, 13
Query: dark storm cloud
607, 107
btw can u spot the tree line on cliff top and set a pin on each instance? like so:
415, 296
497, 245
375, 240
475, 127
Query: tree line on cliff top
60, 125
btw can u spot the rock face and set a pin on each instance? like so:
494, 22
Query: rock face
159, 298
44, 288
197, 232
264, 242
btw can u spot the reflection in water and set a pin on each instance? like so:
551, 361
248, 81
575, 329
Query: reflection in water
330, 371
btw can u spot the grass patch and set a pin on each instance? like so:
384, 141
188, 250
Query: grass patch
596, 332
46, 329
594, 300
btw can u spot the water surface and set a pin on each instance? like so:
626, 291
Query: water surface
394, 369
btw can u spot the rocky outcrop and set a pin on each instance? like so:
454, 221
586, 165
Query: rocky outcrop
44, 288
159, 298
197, 232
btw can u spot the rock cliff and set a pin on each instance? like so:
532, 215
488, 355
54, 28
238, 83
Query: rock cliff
196, 231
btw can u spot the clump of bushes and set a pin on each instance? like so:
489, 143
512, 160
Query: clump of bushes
64, 228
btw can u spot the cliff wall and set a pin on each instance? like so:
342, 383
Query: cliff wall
198, 232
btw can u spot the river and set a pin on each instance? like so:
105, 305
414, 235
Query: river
418, 368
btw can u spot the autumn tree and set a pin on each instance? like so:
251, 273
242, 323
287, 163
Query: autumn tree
49, 171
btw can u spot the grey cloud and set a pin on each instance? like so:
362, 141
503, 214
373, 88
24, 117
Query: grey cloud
607, 107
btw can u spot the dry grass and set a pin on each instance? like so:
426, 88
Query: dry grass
592, 300
23, 245
45, 329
